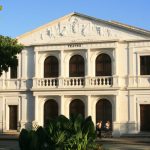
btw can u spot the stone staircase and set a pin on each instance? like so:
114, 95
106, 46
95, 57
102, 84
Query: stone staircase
11, 135
137, 135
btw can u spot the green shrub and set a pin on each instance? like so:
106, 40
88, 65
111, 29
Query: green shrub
61, 133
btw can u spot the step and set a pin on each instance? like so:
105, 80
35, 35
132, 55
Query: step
137, 135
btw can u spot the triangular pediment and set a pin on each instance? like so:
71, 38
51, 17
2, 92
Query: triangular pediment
77, 28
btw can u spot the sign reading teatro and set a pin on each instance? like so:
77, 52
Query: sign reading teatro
74, 45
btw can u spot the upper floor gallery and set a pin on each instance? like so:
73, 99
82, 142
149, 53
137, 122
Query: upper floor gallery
78, 51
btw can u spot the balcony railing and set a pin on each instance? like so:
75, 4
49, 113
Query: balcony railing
13, 84
139, 81
73, 82
101, 81
76, 82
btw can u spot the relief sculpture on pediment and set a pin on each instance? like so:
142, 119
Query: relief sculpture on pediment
79, 29
76, 27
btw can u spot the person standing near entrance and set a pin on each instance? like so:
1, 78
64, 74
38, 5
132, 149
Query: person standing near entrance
99, 128
107, 126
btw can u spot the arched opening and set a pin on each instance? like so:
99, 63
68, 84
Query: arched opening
51, 67
145, 117
76, 66
14, 70
104, 111
103, 65
50, 110
77, 107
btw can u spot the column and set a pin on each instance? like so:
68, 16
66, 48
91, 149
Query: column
132, 115
24, 64
117, 110
131, 78
88, 106
36, 108
36, 112
23, 69
116, 122
131, 107
19, 66
23, 111
130, 61
36, 63
1, 115
61, 68
61, 74
115, 60
115, 66
88, 65
61, 105
88, 68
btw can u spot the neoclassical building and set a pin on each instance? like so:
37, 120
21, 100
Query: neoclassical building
79, 64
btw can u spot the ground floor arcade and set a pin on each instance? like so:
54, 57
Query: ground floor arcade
127, 114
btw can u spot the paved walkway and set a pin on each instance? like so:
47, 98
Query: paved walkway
125, 143
6, 143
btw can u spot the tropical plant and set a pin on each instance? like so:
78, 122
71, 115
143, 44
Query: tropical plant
61, 133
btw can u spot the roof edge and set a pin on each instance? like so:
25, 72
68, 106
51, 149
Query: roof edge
113, 23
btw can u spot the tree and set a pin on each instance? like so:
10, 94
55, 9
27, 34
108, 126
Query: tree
9, 48
1, 7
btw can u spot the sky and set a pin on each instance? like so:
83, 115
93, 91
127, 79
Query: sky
21, 16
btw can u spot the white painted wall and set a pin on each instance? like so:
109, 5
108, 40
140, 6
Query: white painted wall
128, 91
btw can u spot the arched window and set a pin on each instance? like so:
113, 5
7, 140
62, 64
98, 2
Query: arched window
50, 110
104, 111
13, 72
144, 65
77, 107
103, 65
50, 67
76, 66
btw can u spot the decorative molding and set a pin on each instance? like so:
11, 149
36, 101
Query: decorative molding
83, 46
140, 44
76, 28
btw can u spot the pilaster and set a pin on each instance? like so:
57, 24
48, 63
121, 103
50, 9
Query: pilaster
115, 61
130, 61
88, 64
61, 59
88, 106
131, 115
36, 63
23, 111
61, 111
19, 66
24, 64
116, 123
36, 108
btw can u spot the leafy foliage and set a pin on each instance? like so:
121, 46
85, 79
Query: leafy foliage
1, 7
61, 133
9, 48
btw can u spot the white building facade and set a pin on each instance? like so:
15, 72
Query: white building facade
79, 64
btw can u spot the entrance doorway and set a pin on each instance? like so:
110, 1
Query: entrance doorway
13, 109
104, 111
145, 117
50, 110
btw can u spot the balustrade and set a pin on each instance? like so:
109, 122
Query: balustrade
74, 82
13, 84
77, 82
